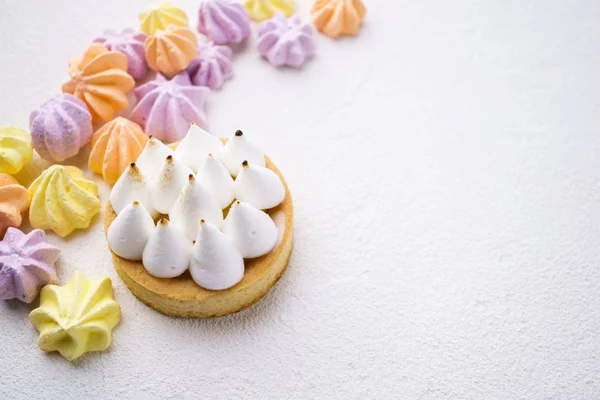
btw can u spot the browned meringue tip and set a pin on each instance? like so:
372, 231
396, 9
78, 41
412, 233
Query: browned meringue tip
169, 158
245, 163
238, 133
132, 165
136, 203
191, 177
202, 222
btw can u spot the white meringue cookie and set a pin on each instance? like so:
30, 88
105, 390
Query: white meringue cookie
214, 176
167, 185
196, 145
258, 186
153, 157
252, 231
238, 149
215, 263
129, 232
194, 203
167, 252
131, 186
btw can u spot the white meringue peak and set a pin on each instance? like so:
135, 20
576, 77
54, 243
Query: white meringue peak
252, 231
152, 157
215, 263
196, 145
167, 185
132, 185
258, 186
194, 203
129, 232
238, 149
167, 252
214, 176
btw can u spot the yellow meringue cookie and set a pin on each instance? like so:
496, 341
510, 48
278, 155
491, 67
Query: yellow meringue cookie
15, 149
161, 15
63, 200
76, 318
259, 10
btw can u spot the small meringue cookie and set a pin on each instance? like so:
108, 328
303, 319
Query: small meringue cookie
338, 17
196, 145
285, 41
258, 186
15, 149
237, 150
252, 231
223, 21
215, 263
170, 51
260, 10
153, 157
217, 179
195, 202
167, 252
159, 16
212, 66
131, 186
167, 185
129, 232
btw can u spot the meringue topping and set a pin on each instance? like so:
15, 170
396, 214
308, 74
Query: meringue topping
258, 186
167, 185
217, 179
167, 252
152, 157
132, 185
252, 231
129, 232
237, 149
196, 145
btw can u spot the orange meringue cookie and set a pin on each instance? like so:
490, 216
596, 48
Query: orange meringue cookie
338, 17
101, 80
114, 147
170, 51
14, 199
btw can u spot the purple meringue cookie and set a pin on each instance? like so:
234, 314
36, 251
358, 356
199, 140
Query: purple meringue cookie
223, 21
26, 264
212, 67
130, 43
60, 127
166, 108
285, 41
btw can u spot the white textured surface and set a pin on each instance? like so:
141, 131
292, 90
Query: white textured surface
444, 167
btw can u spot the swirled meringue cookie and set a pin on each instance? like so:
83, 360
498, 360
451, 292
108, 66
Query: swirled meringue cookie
252, 231
196, 145
159, 16
216, 178
60, 127
285, 41
130, 43
258, 186
223, 21
167, 252
170, 51
237, 150
129, 232
165, 109
169, 182
338, 17
132, 185
26, 264
212, 66
15, 149
260, 10
76, 318
14, 199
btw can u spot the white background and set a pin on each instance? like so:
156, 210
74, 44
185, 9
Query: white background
444, 166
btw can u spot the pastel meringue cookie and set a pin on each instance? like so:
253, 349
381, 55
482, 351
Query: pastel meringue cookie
260, 10
167, 185
285, 41
63, 200
101, 81
223, 21
159, 16
27, 263
251, 230
259, 186
212, 66
132, 185
114, 146
130, 43
338, 17
153, 157
215, 263
14, 199
15, 149
167, 252
196, 145
129, 232
166, 108
76, 318
170, 51
213, 175
237, 150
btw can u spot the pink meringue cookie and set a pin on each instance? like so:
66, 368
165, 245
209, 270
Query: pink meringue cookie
212, 67
285, 41
26, 264
223, 21
60, 127
166, 108
130, 43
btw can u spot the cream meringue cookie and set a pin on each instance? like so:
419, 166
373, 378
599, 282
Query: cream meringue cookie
153, 156
194, 203
129, 232
196, 145
258, 186
237, 149
213, 175
132, 185
215, 263
167, 252
252, 231
167, 185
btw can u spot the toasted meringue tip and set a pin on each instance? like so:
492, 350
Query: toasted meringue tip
202, 222
135, 203
169, 158
191, 177
238, 133
245, 164
132, 165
